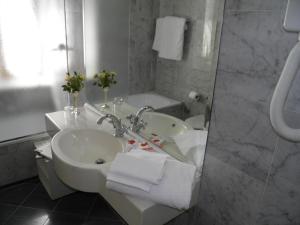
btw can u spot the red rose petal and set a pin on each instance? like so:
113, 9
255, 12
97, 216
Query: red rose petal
131, 142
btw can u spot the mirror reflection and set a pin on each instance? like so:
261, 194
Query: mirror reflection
164, 55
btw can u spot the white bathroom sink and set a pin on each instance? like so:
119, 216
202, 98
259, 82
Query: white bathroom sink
76, 151
164, 125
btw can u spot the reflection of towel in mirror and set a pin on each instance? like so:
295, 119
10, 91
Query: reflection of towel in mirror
190, 139
158, 34
174, 190
169, 37
138, 169
192, 145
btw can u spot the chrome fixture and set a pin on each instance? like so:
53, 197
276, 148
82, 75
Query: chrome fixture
116, 122
136, 120
289, 72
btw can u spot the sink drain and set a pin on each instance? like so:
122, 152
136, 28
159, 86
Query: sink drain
100, 161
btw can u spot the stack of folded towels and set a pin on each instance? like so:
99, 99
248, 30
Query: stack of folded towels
153, 176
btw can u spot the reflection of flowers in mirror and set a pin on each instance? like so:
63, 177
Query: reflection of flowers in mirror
105, 79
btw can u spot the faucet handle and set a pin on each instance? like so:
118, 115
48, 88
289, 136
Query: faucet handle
131, 118
120, 130
140, 126
143, 123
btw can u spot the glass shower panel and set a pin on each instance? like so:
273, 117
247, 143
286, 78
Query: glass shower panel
32, 64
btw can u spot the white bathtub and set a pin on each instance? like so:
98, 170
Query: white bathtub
152, 99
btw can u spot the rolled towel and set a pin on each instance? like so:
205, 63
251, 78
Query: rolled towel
138, 169
174, 190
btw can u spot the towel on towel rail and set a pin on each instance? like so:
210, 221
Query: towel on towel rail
169, 37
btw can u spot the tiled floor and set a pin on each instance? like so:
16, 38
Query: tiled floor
27, 203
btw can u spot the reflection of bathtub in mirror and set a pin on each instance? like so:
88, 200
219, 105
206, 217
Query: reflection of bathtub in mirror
158, 102
169, 106
151, 98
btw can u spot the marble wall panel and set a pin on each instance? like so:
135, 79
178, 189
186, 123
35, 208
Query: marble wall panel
142, 60
257, 180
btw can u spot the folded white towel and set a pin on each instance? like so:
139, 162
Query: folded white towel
129, 181
138, 168
169, 37
174, 190
44, 147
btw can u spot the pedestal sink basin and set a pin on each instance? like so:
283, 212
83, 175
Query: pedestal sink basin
78, 155
164, 125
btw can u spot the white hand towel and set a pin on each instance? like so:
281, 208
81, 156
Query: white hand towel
138, 168
45, 150
171, 38
174, 190
190, 139
129, 181
158, 34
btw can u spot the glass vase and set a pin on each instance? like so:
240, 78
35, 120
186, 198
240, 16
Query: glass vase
105, 98
75, 100
69, 108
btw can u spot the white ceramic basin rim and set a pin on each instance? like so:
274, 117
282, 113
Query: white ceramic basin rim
83, 146
75, 152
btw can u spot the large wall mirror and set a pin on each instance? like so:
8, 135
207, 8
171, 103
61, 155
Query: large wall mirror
164, 53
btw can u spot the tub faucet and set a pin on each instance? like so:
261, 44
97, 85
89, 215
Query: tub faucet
116, 122
137, 123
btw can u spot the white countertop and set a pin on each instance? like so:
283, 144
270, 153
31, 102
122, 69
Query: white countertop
88, 119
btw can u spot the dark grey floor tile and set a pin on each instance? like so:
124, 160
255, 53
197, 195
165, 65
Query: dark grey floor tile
40, 199
103, 222
58, 218
34, 180
28, 216
16, 194
21, 221
6, 211
102, 210
77, 203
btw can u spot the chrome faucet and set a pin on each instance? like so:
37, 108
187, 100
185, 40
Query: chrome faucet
116, 122
137, 123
